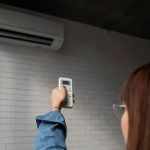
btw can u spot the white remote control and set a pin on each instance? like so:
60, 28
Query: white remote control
67, 83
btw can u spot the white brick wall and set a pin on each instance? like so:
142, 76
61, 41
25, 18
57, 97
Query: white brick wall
98, 61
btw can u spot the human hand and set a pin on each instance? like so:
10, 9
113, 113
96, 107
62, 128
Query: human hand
58, 96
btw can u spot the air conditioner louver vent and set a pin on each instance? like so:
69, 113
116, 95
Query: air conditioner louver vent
25, 37
28, 29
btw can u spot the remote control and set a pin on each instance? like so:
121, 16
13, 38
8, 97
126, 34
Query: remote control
67, 83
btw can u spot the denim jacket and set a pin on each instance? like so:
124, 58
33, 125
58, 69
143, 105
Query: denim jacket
52, 132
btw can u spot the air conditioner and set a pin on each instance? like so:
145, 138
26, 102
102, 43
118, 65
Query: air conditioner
31, 30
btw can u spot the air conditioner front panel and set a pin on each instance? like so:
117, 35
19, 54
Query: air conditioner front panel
30, 22
20, 28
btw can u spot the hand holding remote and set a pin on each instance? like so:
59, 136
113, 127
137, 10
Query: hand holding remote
58, 96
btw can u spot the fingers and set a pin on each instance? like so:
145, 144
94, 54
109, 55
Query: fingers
73, 98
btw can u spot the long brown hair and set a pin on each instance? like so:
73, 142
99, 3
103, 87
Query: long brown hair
136, 95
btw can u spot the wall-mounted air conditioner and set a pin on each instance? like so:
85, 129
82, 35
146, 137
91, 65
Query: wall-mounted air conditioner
31, 30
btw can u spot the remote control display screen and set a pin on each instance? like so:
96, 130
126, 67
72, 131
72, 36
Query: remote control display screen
66, 82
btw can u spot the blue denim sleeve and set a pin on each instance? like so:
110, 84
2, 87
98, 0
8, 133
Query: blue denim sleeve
52, 132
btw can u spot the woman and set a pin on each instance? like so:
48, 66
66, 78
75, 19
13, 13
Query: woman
135, 122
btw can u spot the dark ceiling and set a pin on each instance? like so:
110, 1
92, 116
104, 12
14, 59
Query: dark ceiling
126, 16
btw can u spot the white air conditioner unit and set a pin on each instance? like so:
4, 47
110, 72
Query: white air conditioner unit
23, 28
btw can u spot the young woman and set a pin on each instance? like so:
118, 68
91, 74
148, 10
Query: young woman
135, 121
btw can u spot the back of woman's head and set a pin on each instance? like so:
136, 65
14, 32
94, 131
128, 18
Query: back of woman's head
136, 95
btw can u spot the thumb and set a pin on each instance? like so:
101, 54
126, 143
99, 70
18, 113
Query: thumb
62, 89
63, 92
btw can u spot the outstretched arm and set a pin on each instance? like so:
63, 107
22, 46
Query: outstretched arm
52, 128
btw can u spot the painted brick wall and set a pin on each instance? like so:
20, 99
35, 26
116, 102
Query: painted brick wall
98, 61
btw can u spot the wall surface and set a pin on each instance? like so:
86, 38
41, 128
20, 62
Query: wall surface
97, 60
